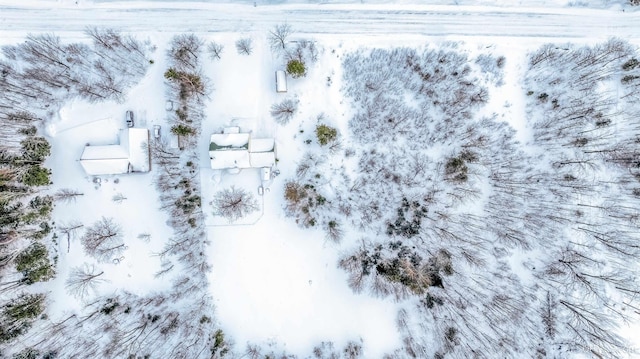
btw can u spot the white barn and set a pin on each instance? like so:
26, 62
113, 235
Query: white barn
130, 155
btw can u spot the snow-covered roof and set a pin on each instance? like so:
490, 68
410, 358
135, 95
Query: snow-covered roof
103, 160
281, 81
229, 140
96, 167
223, 159
104, 152
238, 150
262, 159
131, 154
139, 149
261, 144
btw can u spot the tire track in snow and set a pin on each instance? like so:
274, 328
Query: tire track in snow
321, 19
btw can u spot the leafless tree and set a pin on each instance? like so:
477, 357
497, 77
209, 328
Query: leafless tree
83, 281
253, 351
145, 237
233, 203
215, 50
244, 46
184, 51
334, 231
103, 240
284, 111
278, 37
67, 195
118, 198
70, 230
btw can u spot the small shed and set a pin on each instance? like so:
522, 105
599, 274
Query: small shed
281, 81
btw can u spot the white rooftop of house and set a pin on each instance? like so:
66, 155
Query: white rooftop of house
104, 152
132, 154
233, 149
229, 141
230, 159
262, 159
138, 149
261, 145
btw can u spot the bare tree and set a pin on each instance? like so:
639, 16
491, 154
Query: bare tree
83, 281
70, 230
284, 111
184, 51
118, 198
244, 46
334, 231
215, 50
278, 37
67, 195
103, 240
233, 203
145, 237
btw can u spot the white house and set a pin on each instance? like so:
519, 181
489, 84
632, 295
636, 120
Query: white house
234, 150
130, 155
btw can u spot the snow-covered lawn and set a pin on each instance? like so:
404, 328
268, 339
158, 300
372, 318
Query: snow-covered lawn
273, 282
130, 199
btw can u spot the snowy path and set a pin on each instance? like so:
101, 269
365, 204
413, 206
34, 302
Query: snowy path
39, 16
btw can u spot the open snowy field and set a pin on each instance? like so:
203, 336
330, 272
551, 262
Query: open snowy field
467, 186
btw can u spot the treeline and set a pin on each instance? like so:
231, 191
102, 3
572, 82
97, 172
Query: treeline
42, 72
187, 85
497, 251
24, 223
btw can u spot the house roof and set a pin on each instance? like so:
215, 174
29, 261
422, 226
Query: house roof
221, 141
229, 159
262, 159
133, 151
96, 167
238, 150
138, 143
261, 145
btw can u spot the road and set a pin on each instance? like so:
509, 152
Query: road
353, 19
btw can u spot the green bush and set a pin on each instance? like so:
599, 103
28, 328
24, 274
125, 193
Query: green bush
171, 74
326, 134
33, 263
18, 314
36, 176
35, 149
296, 68
27, 306
182, 130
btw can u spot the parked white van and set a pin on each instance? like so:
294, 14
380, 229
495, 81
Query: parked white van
281, 81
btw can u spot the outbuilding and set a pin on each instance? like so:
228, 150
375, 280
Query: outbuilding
281, 81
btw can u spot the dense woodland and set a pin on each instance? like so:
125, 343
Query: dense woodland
495, 248
492, 247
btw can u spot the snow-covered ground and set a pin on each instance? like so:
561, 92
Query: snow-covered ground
530, 19
274, 284
130, 199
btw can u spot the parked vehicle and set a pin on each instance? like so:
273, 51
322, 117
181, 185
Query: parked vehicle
168, 105
156, 131
281, 81
129, 117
